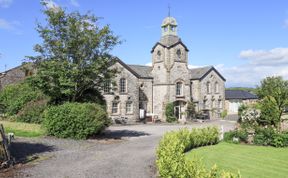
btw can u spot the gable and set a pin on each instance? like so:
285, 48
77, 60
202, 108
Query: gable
201, 73
171, 46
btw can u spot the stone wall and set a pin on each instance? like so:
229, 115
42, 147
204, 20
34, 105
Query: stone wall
12, 76
132, 94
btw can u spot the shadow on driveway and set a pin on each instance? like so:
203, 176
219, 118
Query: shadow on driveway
119, 134
22, 151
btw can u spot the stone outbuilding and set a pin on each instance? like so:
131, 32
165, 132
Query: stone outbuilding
235, 98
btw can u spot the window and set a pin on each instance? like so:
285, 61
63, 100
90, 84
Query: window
178, 53
204, 104
158, 55
129, 108
122, 85
179, 89
107, 87
114, 107
219, 103
216, 87
208, 85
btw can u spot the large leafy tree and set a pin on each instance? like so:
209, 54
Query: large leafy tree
274, 94
74, 58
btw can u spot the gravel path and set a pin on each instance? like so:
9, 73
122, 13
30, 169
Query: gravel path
126, 151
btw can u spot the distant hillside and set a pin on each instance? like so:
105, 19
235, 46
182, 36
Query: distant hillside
252, 90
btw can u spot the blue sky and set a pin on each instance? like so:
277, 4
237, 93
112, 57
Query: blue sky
245, 40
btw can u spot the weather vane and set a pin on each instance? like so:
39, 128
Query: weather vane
169, 10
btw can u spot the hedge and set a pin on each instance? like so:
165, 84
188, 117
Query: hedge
171, 161
75, 120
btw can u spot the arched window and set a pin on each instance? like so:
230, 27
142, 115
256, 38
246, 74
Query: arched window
216, 87
208, 86
179, 89
122, 85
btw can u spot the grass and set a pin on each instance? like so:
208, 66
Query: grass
22, 129
251, 161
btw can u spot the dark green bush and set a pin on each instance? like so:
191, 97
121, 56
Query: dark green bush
241, 135
171, 160
75, 120
264, 136
32, 111
14, 97
280, 140
169, 113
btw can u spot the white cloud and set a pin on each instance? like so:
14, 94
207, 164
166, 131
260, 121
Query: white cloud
193, 67
260, 64
10, 26
74, 3
148, 64
276, 56
5, 3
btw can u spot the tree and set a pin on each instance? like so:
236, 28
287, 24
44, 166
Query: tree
274, 94
74, 57
191, 111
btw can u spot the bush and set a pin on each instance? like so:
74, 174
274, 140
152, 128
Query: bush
14, 97
242, 136
223, 114
171, 160
169, 113
264, 136
75, 120
32, 111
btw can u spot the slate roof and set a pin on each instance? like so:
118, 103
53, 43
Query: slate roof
239, 94
200, 73
142, 71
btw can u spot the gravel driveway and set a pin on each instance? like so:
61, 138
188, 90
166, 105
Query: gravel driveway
124, 151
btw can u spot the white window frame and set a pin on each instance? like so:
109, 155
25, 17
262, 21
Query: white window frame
123, 85
115, 109
129, 107
208, 86
179, 91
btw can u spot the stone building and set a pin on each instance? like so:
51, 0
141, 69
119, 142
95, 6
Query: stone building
235, 98
144, 88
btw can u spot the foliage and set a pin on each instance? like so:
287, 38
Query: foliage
21, 129
273, 90
14, 97
251, 90
169, 113
32, 111
74, 57
269, 112
230, 136
75, 120
249, 116
250, 160
191, 111
171, 160
223, 114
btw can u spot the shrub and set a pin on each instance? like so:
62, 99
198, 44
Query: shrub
223, 114
242, 136
75, 120
169, 113
14, 97
171, 160
264, 136
32, 111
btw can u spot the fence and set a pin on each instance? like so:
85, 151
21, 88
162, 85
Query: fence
4, 150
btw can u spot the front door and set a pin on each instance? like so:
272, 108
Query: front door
177, 111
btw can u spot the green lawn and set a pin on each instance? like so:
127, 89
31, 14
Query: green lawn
22, 129
252, 161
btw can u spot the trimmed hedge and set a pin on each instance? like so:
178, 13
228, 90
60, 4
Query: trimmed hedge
75, 120
171, 161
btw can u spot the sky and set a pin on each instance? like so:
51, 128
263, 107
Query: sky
245, 40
